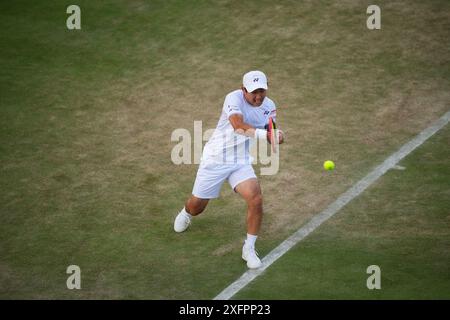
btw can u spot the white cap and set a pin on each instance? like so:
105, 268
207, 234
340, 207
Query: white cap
254, 80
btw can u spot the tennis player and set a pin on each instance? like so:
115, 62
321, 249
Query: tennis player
226, 156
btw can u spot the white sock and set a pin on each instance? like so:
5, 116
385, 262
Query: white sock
251, 239
186, 213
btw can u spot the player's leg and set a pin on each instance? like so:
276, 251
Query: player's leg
250, 190
244, 182
207, 186
194, 206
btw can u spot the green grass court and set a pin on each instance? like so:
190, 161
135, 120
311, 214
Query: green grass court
87, 178
399, 224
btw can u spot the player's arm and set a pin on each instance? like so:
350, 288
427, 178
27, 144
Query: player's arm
240, 127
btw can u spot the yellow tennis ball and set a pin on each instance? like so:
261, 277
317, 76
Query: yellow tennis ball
328, 165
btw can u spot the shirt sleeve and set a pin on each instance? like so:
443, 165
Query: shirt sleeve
273, 114
231, 106
273, 111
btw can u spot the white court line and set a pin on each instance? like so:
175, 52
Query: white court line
345, 198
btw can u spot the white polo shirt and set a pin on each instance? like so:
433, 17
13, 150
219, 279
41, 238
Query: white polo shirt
227, 147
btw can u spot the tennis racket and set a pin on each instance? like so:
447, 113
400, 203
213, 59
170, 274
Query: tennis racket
271, 132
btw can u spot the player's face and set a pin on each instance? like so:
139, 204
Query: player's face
256, 97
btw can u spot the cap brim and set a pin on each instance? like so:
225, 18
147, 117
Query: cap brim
256, 86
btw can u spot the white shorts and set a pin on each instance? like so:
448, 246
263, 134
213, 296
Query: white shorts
211, 176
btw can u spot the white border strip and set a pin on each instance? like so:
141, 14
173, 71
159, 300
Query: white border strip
345, 198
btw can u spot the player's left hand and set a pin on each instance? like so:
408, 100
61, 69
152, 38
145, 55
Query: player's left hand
280, 136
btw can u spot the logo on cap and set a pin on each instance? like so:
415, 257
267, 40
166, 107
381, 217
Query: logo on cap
256, 80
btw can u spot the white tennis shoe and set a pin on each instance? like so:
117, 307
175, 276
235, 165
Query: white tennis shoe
250, 255
182, 222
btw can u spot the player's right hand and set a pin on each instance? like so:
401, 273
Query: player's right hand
280, 136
